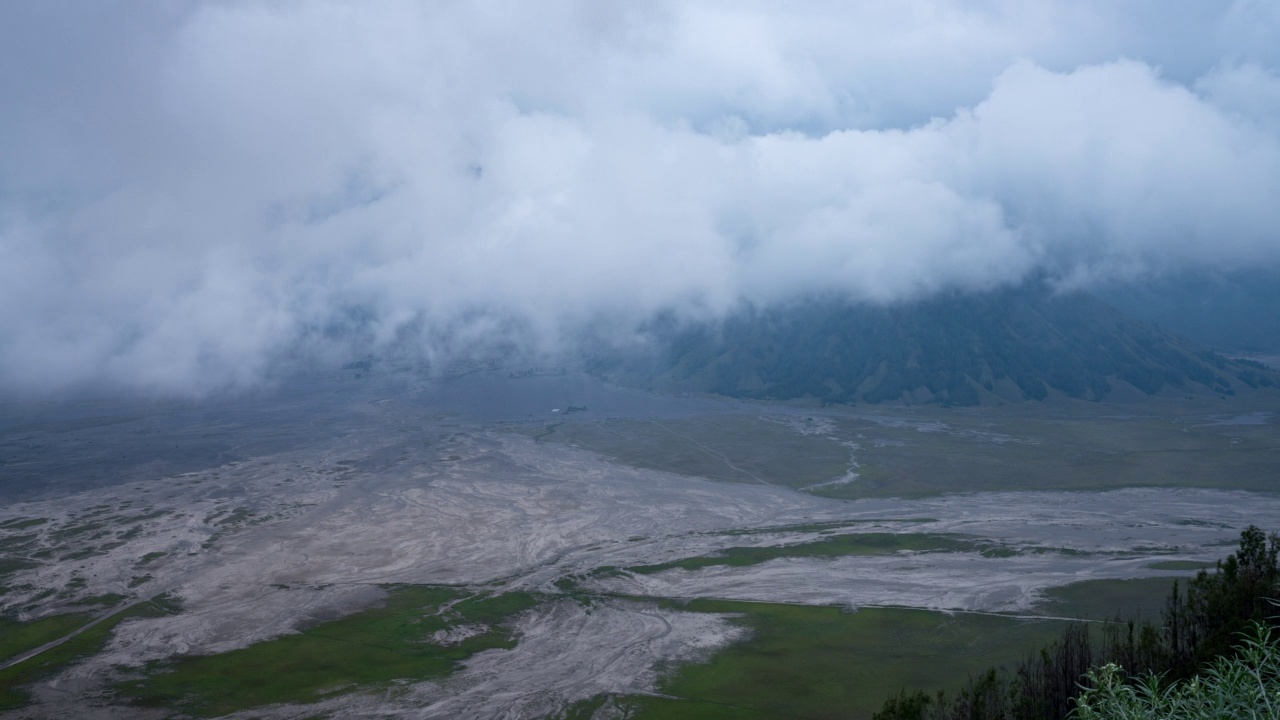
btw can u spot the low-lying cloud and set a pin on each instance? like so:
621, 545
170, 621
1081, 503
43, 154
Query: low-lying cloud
193, 194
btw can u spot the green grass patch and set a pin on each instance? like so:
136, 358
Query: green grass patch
821, 662
82, 554
1182, 565
931, 450
129, 534
169, 604
240, 516
127, 519
13, 680
67, 533
107, 600
818, 526
16, 542
835, 546
19, 637
1135, 599
22, 523
735, 448
364, 650
12, 565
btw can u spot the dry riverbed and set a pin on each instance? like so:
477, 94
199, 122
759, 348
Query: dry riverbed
262, 547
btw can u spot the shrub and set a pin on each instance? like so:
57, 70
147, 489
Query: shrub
1244, 686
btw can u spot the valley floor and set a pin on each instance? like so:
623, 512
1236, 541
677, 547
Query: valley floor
636, 557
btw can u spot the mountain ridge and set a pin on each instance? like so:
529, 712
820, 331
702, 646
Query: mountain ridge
1008, 345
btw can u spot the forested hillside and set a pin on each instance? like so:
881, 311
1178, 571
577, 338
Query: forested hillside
1014, 344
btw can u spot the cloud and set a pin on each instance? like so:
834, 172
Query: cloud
195, 195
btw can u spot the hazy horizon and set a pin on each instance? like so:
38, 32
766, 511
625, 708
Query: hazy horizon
194, 193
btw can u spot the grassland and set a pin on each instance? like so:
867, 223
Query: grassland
1068, 452
835, 546
829, 526
926, 450
734, 448
50, 662
1181, 565
822, 662
19, 637
22, 523
365, 650
1139, 599
8, 565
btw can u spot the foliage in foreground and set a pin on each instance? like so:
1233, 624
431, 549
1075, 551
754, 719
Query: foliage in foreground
1198, 627
1246, 686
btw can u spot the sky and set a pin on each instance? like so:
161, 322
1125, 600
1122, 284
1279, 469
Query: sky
196, 196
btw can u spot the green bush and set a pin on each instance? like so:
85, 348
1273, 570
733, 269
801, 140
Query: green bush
1244, 686
1201, 628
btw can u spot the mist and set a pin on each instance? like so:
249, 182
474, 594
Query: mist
196, 195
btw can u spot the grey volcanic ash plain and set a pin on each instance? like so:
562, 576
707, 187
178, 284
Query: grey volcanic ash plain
269, 516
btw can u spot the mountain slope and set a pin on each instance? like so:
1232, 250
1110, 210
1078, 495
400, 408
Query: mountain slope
1008, 345
1230, 311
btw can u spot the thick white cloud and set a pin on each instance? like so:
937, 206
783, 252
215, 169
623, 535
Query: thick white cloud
194, 193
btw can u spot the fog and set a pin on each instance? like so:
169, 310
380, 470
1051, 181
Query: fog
197, 196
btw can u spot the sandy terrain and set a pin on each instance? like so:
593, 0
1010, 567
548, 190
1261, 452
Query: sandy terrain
258, 547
